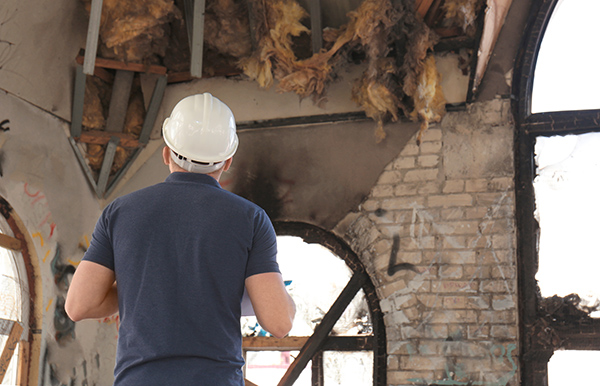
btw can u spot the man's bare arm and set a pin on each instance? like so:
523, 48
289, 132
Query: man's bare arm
92, 293
273, 306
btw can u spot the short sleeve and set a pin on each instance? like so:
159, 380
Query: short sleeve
262, 257
100, 250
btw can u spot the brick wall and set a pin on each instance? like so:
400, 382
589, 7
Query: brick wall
437, 236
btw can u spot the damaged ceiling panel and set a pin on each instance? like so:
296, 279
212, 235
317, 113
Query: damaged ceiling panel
269, 42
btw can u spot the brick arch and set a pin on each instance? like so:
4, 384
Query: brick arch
313, 234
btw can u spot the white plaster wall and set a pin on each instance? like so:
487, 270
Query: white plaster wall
43, 182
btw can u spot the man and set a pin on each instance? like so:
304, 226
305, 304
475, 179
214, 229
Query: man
174, 258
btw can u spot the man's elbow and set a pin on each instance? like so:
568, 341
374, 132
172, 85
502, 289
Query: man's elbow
74, 313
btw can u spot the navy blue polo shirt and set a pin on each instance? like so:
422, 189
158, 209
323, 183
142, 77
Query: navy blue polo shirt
181, 251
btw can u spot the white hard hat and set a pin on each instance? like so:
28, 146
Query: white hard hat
200, 133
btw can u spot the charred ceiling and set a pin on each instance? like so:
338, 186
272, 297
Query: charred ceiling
297, 47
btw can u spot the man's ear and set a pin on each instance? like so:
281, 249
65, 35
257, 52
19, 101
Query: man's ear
167, 155
227, 164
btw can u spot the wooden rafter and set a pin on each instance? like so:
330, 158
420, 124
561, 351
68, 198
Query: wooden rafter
10, 242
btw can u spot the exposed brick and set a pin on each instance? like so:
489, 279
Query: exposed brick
453, 316
416, 175
382, 191
478, 185
477, 271
414, 362
450, 200
370, 205
405, 301
402, 202
406, 189
431, 147
431, 134
409, 378
450, 286
428, 161
504, 272
488, 199
501, 184
389, 177
412, 243
455, 302
430, 300
459, 257
450, 214
488, 227
498, 317
410, 149
497, 286
478, 331
451, 272
476, 212
454, 186
404, 163
457, 227
504, 332
389, 289
481, 302
455, 242
430, 187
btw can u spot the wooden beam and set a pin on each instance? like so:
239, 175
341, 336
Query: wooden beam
422, 6
274, 344
98, 137
10, 242
14, 335
316, 341
23, 367
136, 67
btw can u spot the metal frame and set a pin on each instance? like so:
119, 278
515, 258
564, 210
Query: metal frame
539, 335
116, 118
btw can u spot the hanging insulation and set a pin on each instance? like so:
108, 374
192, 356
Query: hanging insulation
430, 104
226, 28
462, 13
135, 30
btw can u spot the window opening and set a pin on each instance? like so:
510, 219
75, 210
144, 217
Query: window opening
557, 126
334, 333
567, 191
10, 311
568, 367
566, 73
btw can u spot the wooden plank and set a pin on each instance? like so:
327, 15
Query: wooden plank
99, 137
275, 344
9, 348
23, 367
10, 242
91, 45
315, 342
248, 383
135, 67
422, 6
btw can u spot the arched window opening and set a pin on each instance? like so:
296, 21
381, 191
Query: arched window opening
338, 336
557, 111
566, 74
15, 302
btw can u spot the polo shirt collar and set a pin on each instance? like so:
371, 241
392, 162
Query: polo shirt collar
192, 177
